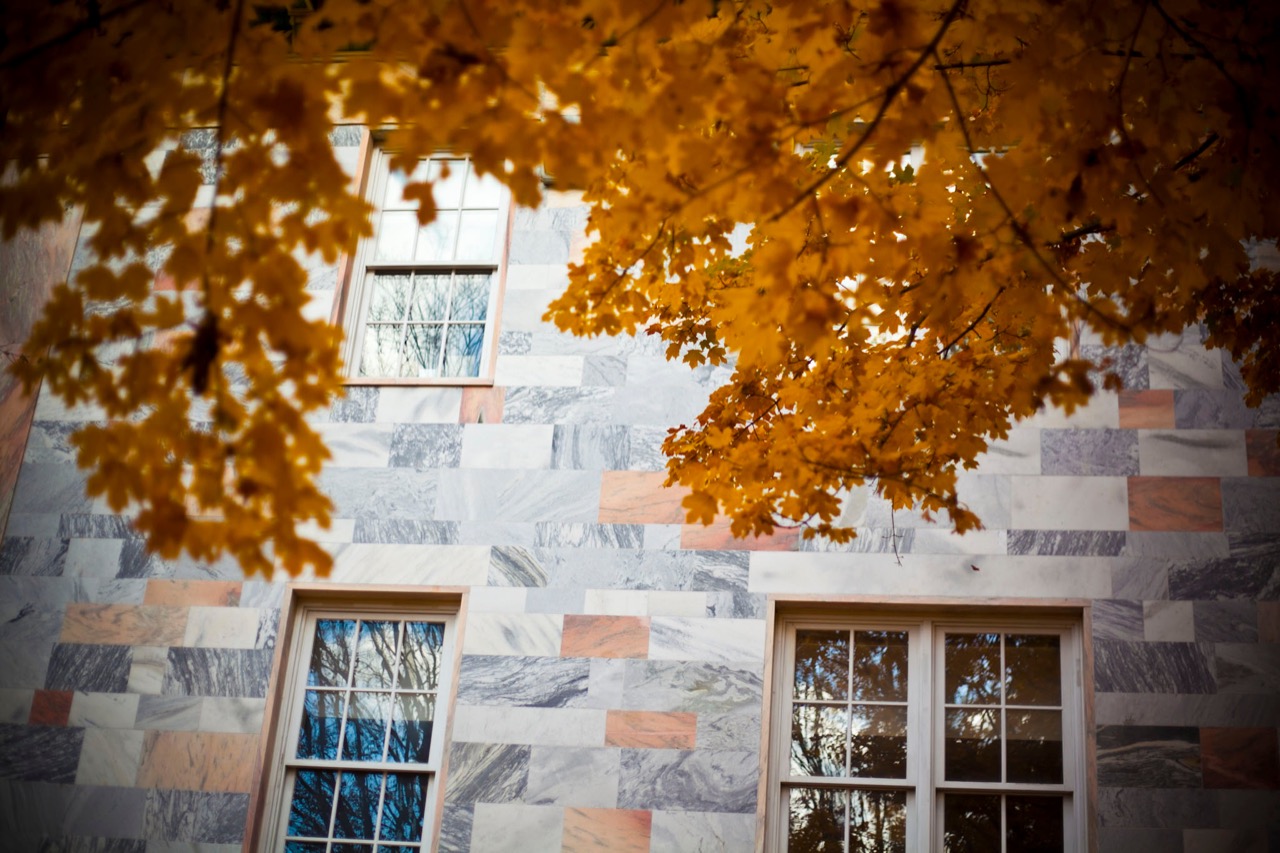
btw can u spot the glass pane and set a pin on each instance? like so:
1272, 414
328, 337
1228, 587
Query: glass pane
321, 724
479, 230
818, 735
366, 726
304, 847
402, 807
816, 821
462, 350
395, 236
420, 657
353, 848
972, 749
822, 665
970, 823
447, 190
435, 241
411, 728
312, 803
470, 297
877, 821
395, 186
880, 665
430, 298
1034, 746
357, 805
381, 355
1032, 670
878, 746
422, 351
483, 191
376, 654
1033, 824
972, 669
389, 302
331, 653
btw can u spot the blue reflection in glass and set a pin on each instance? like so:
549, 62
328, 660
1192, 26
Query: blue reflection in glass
420, 657
822, 665
366, 726
411, 729
331, 653
304, 847
358, 814
321, 723
312, 803
402, 807
376, 654
880, 665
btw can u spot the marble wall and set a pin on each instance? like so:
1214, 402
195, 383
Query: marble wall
611, 682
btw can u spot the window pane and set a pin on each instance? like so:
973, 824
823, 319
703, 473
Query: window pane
479, 230
411, 728
395, 236
396, 180
304, 847
877, 822
353, 848
1033, 824
483, 191
381, 356
435, 241
462, 350
422, 351
818, 735
970, 823
972, 669
879, 741
447, 191
357, 805
420, 657
366, 726
1032, 669
331, 653
816, 821
822, 665
376, 654
312, 803
1034, 748
430, 298
972, 751
321, 724
880, 665
389, 302
402, 807
470, 297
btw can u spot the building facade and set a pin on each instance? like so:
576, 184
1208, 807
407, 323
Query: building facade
523, 648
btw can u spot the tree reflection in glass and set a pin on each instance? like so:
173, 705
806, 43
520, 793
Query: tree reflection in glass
877, 822
366, 732
357, 814
331, 652
972, 664
878, 741
304, 847
312, 803
321, 724
402, 806
1032, 669
822, 665
1033, 825
420, 661
1034, 748
880, 665
972, 750
815, 822
818, 735
971, 823
376, 654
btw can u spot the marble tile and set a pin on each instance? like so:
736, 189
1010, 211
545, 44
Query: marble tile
1240, 757
103, 811
696, 780
115, 591
1101, 412
535, 404
1234, 577
1017, 454
1251, 504
169, 713
500, 599
1247, 668
1124, 667
573, 776
479, 494
1268, 621
80, 666
608, 370
640, 497
506, 446
262, 594
588, 830
616, 602
511, 680
358, 404
232, 714
1263, 452
719, 535
1148, 756
146, 670
1171, 709
1228, 621
1175, 503
737, 731
550, 535
707, 832
31, 607
515, 827
444, 565
1094, 543
103, 710
419, 405
536, 634
1168, 621
1175, 544
1068, 503
1206, 408
564, 600
482, 405
16, 705
487, 773
405, 531
357, 445
197, 816
1261, 547
535, 726
1146, 409
1089, 452
117, 624
605, 636
380, 493
651, 685
48, 708
109, 758
191, 593
36, 525
27, 555
679, 604
513, 370
1117, 619
1128, 362
1224, 841
734, 604
423, 446
1179, 360
651, 729
455, 828
198, 761
1247, 809
605, 684
713, 641
39, 753
46, 487
638, 404
541, 277
515, 566
1156, 808
688, 571
1129, 839
514, 343
224, 628
1192, 453
217, 672
50, 442
646, 447
590, 447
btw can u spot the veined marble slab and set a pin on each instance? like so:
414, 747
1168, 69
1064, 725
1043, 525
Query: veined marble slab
701, 639
707, 832
442, 565
650, 685
514, 370
573, 776
514, 680
516, 827
45, 487
535, 404
357, 445
1093, 452
1101, 412
494, 724
536, 634
591, 446
426, 446
506, 445
476, 494
39, 557
196, 816
695, 780
380, 492
1069, 503
1193, 453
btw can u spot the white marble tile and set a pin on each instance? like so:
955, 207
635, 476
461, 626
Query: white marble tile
662, 537
616, 602
222, 627
536, 726
242, 715
440, 565
103, 710
1069, 503
340, 530
667, 602
710, 640
110, 758
522, 309
558, 370
537, 277
146, 672
15, 705
507, 445
516, 828
1101, 412
93, 558
1017, 454
1168, 621
357, 445
1192, 453
478, 494
40, 525
419, 404
1179, 360
574, 777
513, 634
706, 832
497, 599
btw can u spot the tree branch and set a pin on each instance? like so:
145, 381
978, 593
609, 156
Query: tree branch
93, 22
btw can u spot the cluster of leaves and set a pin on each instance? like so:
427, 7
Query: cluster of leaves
934, 192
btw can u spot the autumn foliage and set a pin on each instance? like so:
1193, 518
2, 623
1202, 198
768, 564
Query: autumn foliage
887, 217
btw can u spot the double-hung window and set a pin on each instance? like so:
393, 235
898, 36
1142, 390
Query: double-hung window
423, 298
927, 732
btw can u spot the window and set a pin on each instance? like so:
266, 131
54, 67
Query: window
423, 298
902, 733
361, 732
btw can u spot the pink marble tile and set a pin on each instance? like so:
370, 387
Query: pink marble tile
639, 497
1263, 452
1175, 503
481, 405
192, 593
651, 729
1240, 758
50, 707
718, 536
1146, 409
604, 636
606, 831
199, 761
124, 624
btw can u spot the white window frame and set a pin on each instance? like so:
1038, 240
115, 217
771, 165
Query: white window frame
358, 290
292, 678
924, 781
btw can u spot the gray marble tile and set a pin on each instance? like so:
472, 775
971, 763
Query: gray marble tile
455, 828
1117, 619
574, 777
217, 672
735, 604
84, 525
1124, 667
137, 562
50, 442
540, 599
1227, 621
547, 405
169, 713
1259, 547
1156, 808
262, 594
487, 773
1234, 577
705, 832
736, 731
1171, 709
1175, 544
516, 566
1083, 543
514, 680
514, 343
524, 495
1180, 360
610, 370
551, 535
1131, 839
26, 555
1089, 451
1251, 504
380, 493
693, 780
80, 844
671, 404
406, 531
517, 534
650, 685
591, 447
1149, 756
112, 812
646, 448
196, 816
358, 404
606, 682
112, 591
1247, 809
24, 664
1129, 362
1209, 408
538, 247
39, 753
545, 218
89, 668
51, 487
1247, 667
637, 569
426, 446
